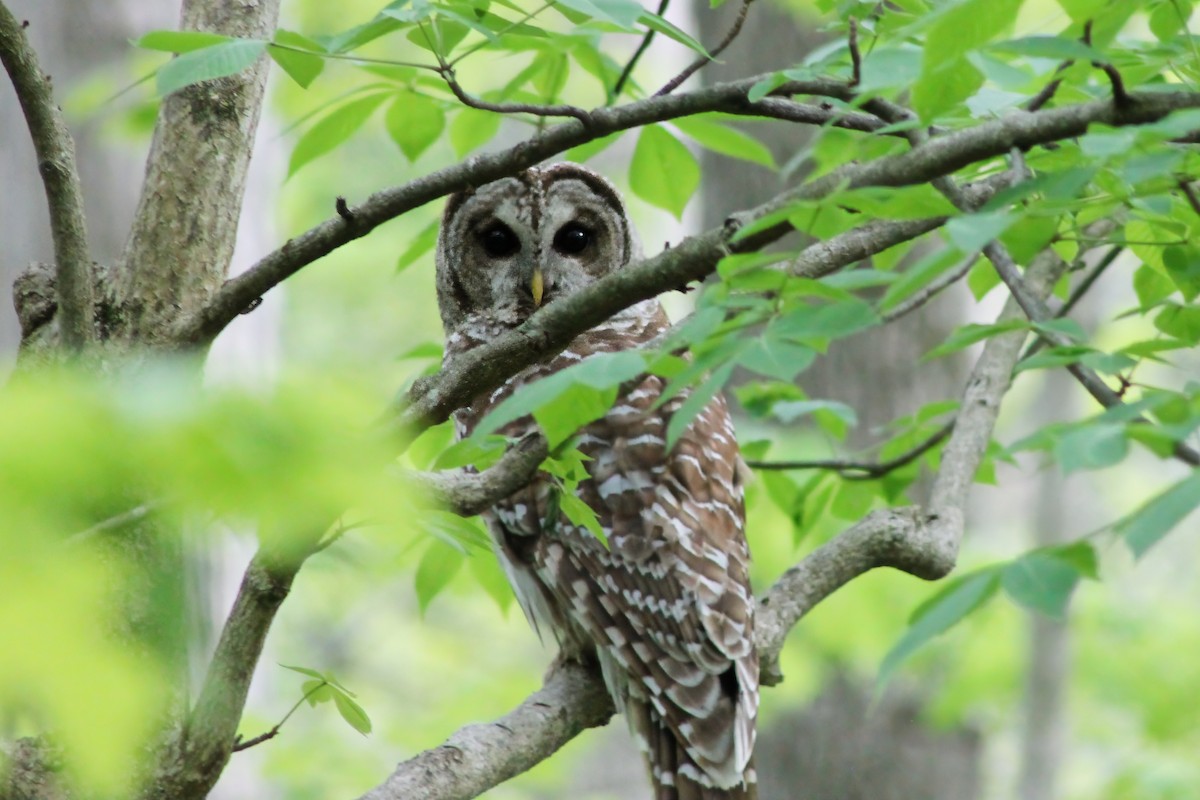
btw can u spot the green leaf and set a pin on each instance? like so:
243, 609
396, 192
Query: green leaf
964, 26
1063, 48
777, 359
656, 23
179, 41
1170, 18
1183, 265
353, 713
490, 575
1182, 322
420, 244
436, 569
764, 87
1080, 555
569, 399
943, 89
303, 68
725, 140
1082, 10
695, 403
971, 333
215, 61
582, 153
789, 411
854, 498
938, 614
316, 692
663, 172
971, 232
622, 13
472, 128
1146, 526
1151, 286
333, 129
414, 122
312, 673
1041, 581
824, 322
581, 514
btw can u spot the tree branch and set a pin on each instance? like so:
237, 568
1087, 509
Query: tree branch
199, 327
185, 226
550, 329
56, 164
695, 66
623, 78
862, 470
468, 494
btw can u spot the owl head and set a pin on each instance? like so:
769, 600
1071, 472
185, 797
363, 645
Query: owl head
511, 246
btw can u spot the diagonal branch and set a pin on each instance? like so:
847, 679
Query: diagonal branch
550, 330
468, 494
56, 163
694, 67
199, 327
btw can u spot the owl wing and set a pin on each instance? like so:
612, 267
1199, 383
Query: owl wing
668, 604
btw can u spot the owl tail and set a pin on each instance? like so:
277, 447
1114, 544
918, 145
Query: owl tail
673, 773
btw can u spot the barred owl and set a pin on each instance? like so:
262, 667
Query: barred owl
665, 610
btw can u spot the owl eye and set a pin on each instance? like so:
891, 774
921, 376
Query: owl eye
572, 238
499, 241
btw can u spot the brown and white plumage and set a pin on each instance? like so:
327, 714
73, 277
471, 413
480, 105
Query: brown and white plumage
666, 610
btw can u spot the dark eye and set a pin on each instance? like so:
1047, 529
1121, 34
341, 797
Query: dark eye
572, 238
499, 241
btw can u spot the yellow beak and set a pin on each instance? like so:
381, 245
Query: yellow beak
537, 286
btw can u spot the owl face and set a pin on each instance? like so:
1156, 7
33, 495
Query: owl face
513, 245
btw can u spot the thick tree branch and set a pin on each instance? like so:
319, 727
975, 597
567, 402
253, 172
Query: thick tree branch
197, 754
938, 157
56, 163
201, 326
480, 756
467, 494
182, 238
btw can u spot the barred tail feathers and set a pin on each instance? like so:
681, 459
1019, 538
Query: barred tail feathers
674, 775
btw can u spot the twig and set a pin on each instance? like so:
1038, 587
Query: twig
855, 55
1077, 294
239, 745
116, 522
60, 178
637, 54
563, 110
695, 66
1120, 97
1047, 93
935, 287
343, 210
862, 470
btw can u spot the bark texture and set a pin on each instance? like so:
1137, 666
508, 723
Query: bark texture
185, 227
